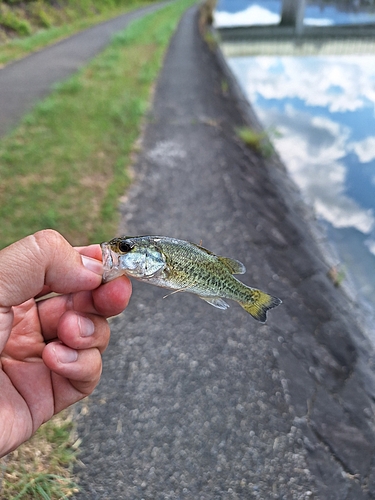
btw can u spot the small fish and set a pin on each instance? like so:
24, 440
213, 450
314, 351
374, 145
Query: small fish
184, 267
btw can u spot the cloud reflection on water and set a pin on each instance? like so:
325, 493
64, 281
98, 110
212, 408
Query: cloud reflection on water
312, 148
365, 150
342, 84
324, 109
256, 12
253, 15
370, 245
316, 104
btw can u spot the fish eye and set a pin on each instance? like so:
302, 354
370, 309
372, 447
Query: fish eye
125, 246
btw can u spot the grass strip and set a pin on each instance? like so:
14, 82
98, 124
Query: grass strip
66, 165
42, 468
64, 22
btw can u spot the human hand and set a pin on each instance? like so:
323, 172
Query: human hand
50, 350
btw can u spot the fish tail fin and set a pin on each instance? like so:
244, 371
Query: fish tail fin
259, 303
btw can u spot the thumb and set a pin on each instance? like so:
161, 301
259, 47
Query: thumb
44, 258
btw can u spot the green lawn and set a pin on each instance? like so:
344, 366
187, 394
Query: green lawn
66, 165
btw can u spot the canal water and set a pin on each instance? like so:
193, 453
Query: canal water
258, 12
323, 109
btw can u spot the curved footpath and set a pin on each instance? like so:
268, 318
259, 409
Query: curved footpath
24, 82
205, 404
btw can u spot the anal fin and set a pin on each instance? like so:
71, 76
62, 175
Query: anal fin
216, 302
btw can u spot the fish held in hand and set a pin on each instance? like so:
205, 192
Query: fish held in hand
184, 267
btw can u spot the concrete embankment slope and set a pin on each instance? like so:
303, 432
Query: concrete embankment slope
205, 404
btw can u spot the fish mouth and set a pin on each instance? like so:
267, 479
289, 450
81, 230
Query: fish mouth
110, 263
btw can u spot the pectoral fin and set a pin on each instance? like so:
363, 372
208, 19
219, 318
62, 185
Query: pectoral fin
216, 302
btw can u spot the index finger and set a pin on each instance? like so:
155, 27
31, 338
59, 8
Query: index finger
44, 259
93, 251
89, 253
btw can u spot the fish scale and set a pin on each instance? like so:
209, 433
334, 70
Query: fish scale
202, 270
184, 266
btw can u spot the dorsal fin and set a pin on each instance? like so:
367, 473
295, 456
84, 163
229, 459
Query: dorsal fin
234, 266
202, 248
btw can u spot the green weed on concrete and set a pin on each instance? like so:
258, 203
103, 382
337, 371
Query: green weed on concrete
259, 141
66, 165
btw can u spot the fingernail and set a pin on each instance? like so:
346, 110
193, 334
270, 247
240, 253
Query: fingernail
86, 326
65, 354
92, 265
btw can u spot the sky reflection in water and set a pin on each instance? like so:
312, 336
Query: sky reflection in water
324, 108
256, 12
247, 12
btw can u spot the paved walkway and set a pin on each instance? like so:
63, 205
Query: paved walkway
204, 404
24, 82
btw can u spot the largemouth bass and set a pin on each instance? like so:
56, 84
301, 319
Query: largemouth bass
184, 267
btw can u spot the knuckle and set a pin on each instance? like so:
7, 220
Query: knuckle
48, 238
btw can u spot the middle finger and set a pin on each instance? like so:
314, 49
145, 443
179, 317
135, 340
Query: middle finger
80, 331
107, 300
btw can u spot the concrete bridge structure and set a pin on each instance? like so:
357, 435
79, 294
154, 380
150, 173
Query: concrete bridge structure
283, 40
292, 37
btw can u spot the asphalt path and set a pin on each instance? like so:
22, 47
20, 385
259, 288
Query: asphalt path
24, 82
204, 404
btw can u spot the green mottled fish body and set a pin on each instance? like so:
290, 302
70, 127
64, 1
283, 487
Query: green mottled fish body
183, 266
